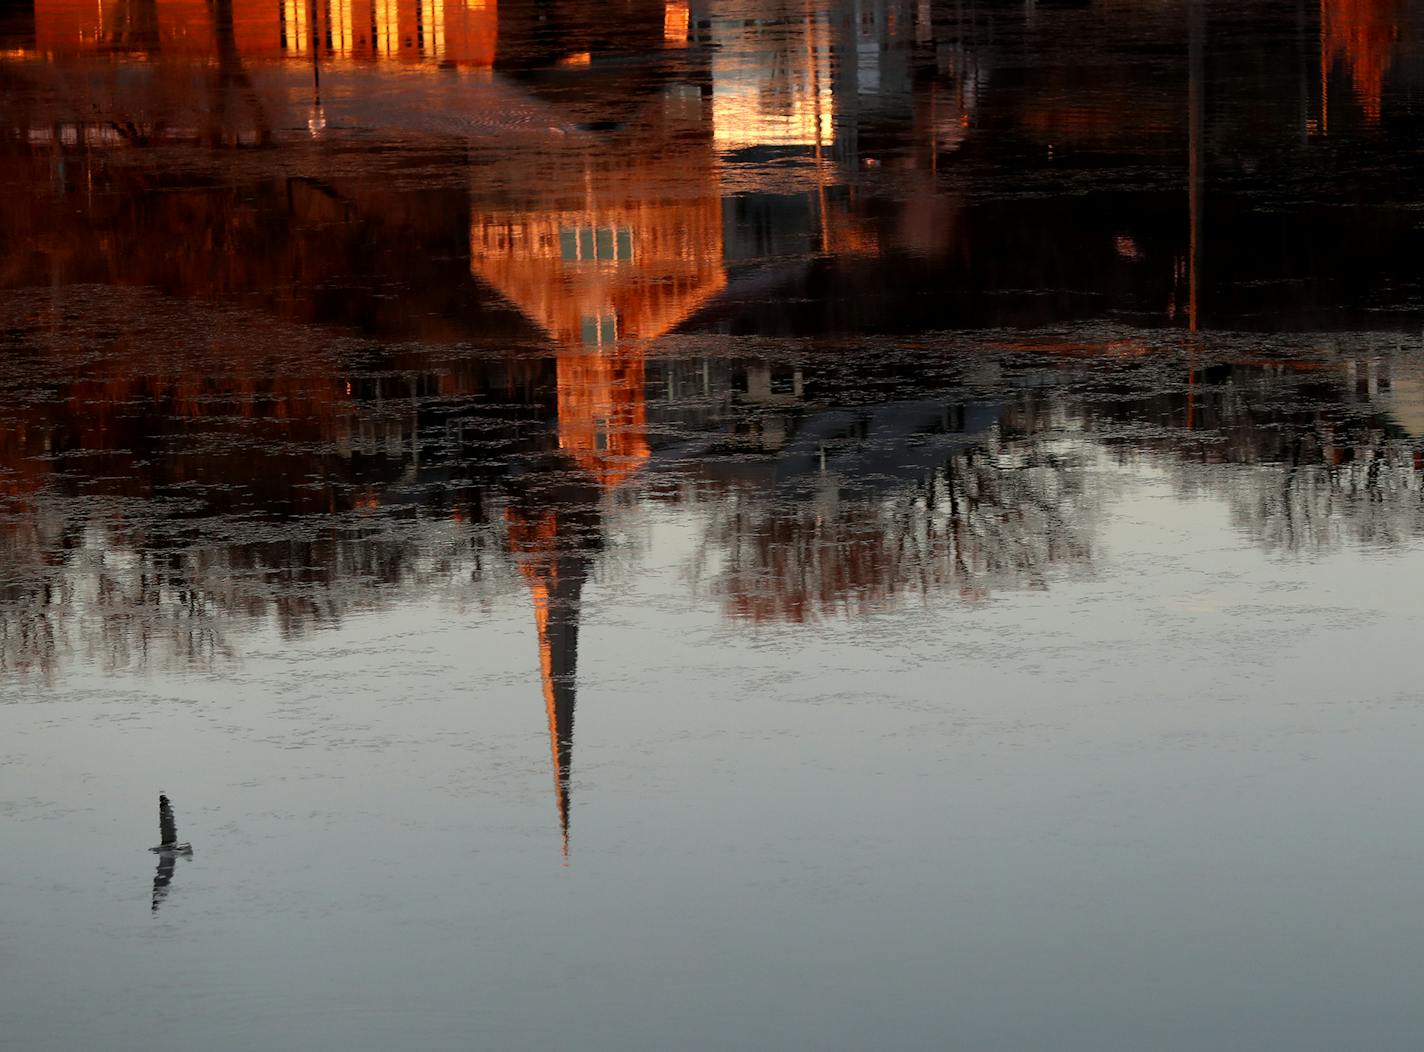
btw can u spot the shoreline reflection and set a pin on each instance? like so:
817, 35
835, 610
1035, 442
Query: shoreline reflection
312, 309
149, 515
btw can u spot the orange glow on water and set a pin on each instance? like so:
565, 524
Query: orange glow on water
1362, 34
463, 32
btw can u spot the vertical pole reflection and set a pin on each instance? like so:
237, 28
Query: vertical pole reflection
1196, 34
1324, 74
316, 122
1300, 52
1196, 60
812, 64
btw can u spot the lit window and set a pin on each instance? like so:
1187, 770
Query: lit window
604, 244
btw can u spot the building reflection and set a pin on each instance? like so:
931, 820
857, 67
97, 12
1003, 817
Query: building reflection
772, 79
462, 32
605, 246
830, 139
325, 384
1362, 35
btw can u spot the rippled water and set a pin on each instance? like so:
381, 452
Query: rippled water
961, 463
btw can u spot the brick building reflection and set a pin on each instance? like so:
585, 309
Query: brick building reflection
462, 32
605, 246
605, 249
604, 239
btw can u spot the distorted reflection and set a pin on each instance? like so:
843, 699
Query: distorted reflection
930, 506
553, 535
841, 407
1362, 35
457, 31
155, 505
880, 299
162, 878
169, 850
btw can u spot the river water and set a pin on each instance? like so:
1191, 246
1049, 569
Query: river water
961, 463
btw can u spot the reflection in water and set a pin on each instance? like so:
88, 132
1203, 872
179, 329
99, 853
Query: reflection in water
157, 495
1001, 512
1362, 34
163, 877
899, 401
457, 31
168, 850
772, 78
145, 521
553, 534
881, 299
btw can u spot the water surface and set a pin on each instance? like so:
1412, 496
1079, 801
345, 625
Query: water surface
959, 462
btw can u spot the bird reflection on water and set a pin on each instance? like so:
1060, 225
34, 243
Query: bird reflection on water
542, 305
167, 863
169, 850
765, 339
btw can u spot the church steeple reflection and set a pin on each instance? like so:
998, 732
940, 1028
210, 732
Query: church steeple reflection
553, 538
607, 245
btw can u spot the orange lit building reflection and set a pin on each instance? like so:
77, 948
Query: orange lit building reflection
461, 32
611, 250
1362, 34
606, 246
772, 78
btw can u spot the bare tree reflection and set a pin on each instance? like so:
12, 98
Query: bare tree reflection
1001, 513
171, 514
1306, 455
155, 497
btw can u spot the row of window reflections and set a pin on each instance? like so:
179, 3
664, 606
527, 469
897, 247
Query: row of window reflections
589, 244
364, 27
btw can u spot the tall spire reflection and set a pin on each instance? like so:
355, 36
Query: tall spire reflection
605, 244
553, 535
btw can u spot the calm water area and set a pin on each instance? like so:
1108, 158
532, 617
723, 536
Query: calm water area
712, 524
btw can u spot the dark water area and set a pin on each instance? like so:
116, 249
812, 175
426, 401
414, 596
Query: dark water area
962, 463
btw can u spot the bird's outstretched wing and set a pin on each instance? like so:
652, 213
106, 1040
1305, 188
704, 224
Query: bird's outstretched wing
162, 878
167, 827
